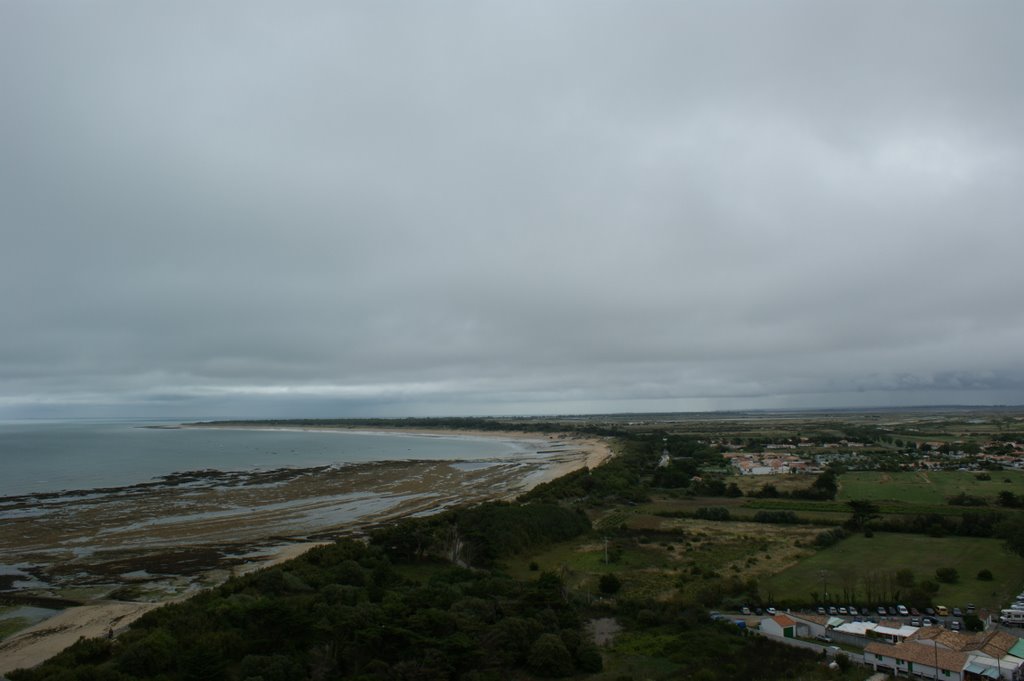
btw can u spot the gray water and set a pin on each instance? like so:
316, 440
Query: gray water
51, 456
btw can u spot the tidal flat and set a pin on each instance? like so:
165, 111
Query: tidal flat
158, 539
96, 559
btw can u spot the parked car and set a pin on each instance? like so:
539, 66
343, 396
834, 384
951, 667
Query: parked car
771, 611
852, 609
823, 637
913, 611
832, 610
941, 611
842, 609
927, 622
970, 607
745, 610
902, 610
865, 611
892, 611
821, 610
915, 622
758, 611
955, 625
957, 612
881, 610
929, 611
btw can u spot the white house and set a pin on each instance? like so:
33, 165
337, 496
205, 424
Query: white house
781, 625
921, 658
810, 626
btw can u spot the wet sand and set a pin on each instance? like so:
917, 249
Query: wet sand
122, 551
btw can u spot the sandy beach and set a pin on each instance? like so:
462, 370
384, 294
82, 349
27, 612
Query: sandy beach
124, 551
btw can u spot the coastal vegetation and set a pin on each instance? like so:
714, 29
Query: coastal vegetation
652, 541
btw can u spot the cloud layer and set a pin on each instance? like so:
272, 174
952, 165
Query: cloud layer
518, 207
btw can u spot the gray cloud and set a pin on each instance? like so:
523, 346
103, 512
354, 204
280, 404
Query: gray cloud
509, 207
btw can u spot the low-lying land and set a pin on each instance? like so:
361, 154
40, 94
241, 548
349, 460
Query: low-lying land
610, 572
162, 541
929, 487
857, 571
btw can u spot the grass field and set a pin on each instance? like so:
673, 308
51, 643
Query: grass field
850, 561
926, 487
663, 557
783, 483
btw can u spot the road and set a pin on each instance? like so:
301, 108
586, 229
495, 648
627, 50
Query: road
807, 645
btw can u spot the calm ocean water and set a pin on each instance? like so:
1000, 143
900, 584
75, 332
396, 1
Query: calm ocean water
50, 456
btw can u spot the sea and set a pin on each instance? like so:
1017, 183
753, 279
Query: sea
38, 456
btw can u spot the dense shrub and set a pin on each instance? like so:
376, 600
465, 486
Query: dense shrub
549, 657
830, 537
778, 517
609, 584
713, 513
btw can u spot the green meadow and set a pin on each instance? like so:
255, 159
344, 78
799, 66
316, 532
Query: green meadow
927, 487
853, 559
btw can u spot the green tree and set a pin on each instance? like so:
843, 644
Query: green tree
905, 577
609, 584
1011, 531
1009, 499
549, 657
153, 654
861, 513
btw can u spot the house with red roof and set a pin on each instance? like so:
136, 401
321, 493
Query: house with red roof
781, 625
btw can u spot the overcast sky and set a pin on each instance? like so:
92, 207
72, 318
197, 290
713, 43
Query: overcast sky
406, 208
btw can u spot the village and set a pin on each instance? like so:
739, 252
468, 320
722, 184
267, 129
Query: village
892, 646
811, 457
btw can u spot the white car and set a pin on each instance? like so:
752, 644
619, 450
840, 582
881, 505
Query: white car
902, 609
771, 611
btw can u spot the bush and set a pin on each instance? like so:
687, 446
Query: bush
985, 575
549, 657
609, 584
713, 513
588, 659
776, 517
829, 537
947, 575
964, 499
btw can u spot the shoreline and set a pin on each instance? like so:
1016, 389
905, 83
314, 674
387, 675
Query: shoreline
413, 487
602, 452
